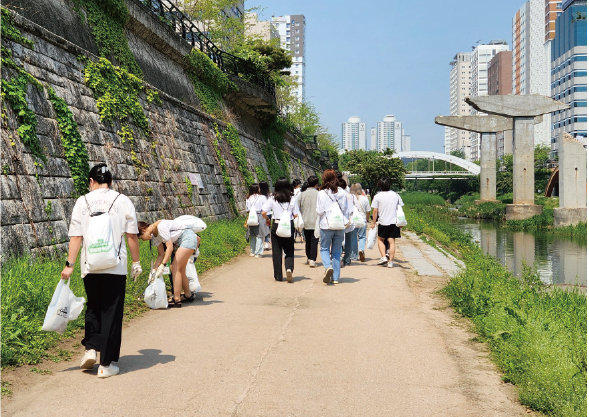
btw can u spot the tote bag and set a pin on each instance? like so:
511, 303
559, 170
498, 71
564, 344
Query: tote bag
401, 220
335, 216
284, 229
357, 219
252, 218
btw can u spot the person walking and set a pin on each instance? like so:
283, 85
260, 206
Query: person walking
331, 237
256, 233
308, 208
363, 205
297, 189
265, 191
384, 206
281, 203
350, 232
105, 286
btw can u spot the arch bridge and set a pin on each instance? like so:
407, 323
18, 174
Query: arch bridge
469, 167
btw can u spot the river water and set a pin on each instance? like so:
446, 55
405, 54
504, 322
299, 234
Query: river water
559, 260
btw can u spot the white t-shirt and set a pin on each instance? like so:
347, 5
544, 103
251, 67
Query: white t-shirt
386, 202
362, 203
256, 200
167, 230
277, 208
325, 199
123, 219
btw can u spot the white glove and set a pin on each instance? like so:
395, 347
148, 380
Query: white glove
159, 272
136, 270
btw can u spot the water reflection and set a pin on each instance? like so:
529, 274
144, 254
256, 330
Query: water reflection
558, 260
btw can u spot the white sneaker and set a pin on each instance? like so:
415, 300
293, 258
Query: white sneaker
289, 275
258, 256
89, 359
106, 371
266, 245
312, 264
251, 254
382, 260
390, 265
307, 262
328, 275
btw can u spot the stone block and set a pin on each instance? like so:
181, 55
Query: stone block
569, 216
12, 212
57, 187
522, 211
8, 188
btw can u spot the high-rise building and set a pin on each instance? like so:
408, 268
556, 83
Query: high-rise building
373, 140
500, 84
531, 57
390, 134
291, 29
552, 9
259, 29
353, 134
405, 143
569, 72
456, 139
479, 65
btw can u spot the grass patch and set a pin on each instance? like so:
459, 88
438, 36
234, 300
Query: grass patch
537, 336
28, 285
418, 197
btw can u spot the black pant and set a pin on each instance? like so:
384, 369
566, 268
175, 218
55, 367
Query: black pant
311, 243
104, 315
280, 244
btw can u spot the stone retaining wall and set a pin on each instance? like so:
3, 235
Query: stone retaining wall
37, 199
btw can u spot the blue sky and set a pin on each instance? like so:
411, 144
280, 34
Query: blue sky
376, 57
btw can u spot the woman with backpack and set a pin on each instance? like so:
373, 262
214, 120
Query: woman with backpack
284, 208
179, 240
103, 213
332, 209
265, 191
257, 229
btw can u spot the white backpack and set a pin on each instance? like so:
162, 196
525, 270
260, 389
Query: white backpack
252, 218
284, 229
357, 219
99, 243
335, 216
191, 222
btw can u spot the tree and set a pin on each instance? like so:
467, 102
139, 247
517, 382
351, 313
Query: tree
371, 166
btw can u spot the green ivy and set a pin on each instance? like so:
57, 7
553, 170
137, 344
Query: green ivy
15, 92
75, 151
277, 160
223, 165
209, 82
238, 151
152, 96
188, 187
107, 19
8, 30
274, 168
261, 173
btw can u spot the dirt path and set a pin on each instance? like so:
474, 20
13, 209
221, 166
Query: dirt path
381, 343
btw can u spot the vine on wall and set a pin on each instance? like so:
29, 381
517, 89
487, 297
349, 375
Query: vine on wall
75, 151
238, 151
223, 165
261, 173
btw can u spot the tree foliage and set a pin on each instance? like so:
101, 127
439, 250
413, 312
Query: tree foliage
371, 166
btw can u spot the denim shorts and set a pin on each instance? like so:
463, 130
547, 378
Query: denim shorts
187, 240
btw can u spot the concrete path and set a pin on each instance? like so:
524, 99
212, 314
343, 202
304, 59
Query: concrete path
381, 343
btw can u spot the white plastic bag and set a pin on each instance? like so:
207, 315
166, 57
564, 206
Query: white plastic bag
64, 307
317, 231
371, 238
335, 217
252, 218
299, 224
155, 295
192, 276
284, 229
357, 219
401, 220
191, 222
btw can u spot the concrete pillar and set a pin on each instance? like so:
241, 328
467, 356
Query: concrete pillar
572, 182
489, 240
488, 187
524, 251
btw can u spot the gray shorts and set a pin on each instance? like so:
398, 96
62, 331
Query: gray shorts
187, 240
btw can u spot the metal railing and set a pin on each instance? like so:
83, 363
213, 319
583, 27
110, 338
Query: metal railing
182, 25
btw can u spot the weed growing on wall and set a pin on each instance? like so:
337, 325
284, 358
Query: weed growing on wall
261, 173
238, 151
189, 190
224, 172
75, 151
107, 20
210, 83
8, 30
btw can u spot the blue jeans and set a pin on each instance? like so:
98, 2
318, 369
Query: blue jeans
330, 249
361, 240
256, 245
351, 246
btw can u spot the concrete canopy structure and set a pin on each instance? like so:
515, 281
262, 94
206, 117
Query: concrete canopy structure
523, 109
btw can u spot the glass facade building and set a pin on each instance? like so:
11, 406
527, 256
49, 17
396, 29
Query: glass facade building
569, 72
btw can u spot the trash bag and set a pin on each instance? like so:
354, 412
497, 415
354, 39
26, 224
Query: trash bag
371, 238
64, 307
401, 220
155, 295
192, 276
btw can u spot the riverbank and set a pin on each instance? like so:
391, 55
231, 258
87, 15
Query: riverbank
28, 285
537, 337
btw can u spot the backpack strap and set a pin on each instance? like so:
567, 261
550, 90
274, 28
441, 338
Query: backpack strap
113, 202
